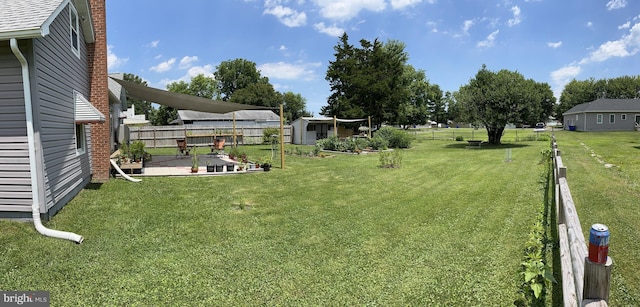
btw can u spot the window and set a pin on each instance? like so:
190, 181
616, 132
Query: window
81, 140
612, 118
311, 127
599, 118
74, 26
623, 116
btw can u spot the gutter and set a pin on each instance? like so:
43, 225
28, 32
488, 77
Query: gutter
35, 187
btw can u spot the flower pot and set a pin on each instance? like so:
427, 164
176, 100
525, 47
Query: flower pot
194, 169
219, 168
211, 168
266, 167
230, 167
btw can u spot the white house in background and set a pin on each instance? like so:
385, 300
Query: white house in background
243, 118
129, 117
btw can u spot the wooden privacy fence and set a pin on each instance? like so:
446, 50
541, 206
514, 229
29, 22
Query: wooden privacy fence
166, 136
584, 283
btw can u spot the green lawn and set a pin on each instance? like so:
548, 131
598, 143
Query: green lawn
447, 228
610, 196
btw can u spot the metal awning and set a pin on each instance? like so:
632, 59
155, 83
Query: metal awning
183, 101
85, 112
330, 120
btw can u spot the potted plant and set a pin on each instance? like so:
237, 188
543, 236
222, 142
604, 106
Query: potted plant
194, 161
234, 152
137, 150
210, 168
266, 163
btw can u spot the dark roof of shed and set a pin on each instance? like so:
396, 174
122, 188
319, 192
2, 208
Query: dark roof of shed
606, 105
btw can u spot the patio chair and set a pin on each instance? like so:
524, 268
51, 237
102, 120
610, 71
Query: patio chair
182, 149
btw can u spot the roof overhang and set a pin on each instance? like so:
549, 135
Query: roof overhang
330, 120
85, 112
183, 101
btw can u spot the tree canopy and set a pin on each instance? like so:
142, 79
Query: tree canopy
495, 99
367, 81
233, 75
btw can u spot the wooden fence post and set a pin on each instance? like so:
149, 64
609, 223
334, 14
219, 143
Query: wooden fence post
597, 280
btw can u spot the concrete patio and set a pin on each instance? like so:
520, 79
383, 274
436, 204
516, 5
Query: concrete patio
181, 166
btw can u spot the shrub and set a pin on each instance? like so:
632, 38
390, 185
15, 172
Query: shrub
270, 135
378, 143
390, 159
396, 138
459, 138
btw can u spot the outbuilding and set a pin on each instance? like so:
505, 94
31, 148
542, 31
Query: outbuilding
307, 130
603, 115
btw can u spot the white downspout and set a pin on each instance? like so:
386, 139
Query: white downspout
35, 207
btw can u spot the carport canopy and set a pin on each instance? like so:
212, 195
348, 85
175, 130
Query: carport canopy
183, 101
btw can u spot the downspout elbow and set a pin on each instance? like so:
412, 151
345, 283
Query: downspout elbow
35, 187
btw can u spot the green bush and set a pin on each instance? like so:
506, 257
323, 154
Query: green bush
396, 138
459, 138
270, 135
378, 143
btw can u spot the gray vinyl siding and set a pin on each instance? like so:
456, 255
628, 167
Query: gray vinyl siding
15, 182
589, 121
57, 72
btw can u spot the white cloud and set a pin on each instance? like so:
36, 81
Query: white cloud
331, 30
287, 16
164, 66
400, 4
113, 61
289, 71
154, 44
589, 24
628, 45
616, 4
489, 41
186, 61
625, 25
554, 45
206, 70
346, 9
467, 25
516, 16
282, 48
563, 76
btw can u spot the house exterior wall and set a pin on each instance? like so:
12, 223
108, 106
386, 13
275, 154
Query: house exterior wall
239, 123
15, 182
57, 73
589, 121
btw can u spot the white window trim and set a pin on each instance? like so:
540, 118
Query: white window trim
599, 119
81, 144
74, 28
612, 118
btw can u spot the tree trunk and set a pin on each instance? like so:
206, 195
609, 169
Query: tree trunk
495, 134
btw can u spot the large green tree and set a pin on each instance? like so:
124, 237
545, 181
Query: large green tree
367, 81
236, 74
294, 106
495, 99
577, 92
139, 106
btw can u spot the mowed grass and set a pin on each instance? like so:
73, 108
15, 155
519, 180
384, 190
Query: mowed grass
610, 196
448, 228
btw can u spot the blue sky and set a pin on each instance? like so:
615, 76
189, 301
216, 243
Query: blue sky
292, 41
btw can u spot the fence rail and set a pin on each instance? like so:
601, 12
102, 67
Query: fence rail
166, 136
453, 134
584, 283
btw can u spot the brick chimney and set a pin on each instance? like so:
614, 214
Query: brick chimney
99, 93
